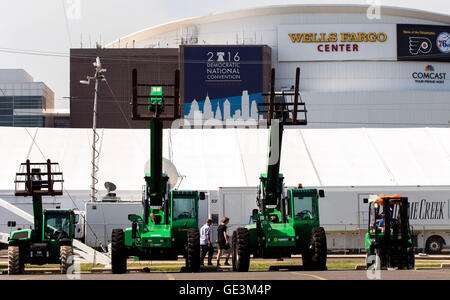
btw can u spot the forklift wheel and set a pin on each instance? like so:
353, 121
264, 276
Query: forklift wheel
233, 258
14, 262
241, 250
118, 252
315, 258
411, 259
193, 250
66, 259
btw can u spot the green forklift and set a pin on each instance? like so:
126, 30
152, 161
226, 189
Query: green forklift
50, 241
168, 226
286, 221
389, 242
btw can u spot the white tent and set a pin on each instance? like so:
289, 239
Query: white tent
212, 158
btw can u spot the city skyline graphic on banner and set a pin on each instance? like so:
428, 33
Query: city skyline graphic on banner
243, 107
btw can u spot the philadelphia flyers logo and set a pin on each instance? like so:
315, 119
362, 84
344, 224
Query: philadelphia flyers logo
419, 45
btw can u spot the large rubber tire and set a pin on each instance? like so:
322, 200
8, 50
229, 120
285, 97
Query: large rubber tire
233, 248
193, 250
15, 265
315, 257
411, 259
241, 250
368, 265
118, 252
434, 245
65, 254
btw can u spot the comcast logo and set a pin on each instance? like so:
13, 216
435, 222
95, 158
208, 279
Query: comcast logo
429, 68
429, 76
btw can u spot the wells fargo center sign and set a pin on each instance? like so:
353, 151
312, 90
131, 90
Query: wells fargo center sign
337, 42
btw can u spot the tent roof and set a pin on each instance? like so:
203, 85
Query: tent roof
212, 158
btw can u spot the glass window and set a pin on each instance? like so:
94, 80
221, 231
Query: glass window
27, 102
6, 120
183, 208
57, 226
6, 103
28, 121
5, 112
303, 207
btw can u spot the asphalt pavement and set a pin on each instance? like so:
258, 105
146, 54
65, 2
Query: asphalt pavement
418, 274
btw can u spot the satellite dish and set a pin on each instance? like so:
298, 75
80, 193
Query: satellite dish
168, 168
110, 187
110, 197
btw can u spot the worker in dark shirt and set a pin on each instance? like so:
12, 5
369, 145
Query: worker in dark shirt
223, 241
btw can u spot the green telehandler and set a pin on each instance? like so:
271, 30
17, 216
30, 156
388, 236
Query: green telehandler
168, 226
286, 221
389, 241
50, 242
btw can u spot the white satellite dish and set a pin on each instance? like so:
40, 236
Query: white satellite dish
168, 168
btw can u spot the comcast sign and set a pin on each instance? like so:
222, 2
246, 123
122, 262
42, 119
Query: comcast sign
429, 75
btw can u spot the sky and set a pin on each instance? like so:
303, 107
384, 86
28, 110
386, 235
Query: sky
49, 28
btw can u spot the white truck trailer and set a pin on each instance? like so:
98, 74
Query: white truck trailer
93, 226
102, 217
344, 213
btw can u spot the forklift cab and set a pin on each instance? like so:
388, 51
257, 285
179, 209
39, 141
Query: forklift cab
58, 225
388, 213
389, 234
303, 207
304, 204
184, 207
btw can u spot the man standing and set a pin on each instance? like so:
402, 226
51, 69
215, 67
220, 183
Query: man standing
205, 242
223, 241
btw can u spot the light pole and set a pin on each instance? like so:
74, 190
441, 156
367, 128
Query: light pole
98, 76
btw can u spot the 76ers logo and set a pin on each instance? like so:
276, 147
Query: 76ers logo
419, 45
443, 42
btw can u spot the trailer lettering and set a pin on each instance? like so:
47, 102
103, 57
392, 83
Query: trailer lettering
441, 210
413, 215
427, 210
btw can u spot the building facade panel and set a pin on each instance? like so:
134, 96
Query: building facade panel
154, 66
364, 91
23, 101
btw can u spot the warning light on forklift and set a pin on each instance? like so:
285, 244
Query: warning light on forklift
156, 97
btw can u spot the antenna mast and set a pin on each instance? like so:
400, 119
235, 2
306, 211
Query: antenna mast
95, 137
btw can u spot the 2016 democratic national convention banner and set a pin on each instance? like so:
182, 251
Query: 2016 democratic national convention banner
423, 42
222, 82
